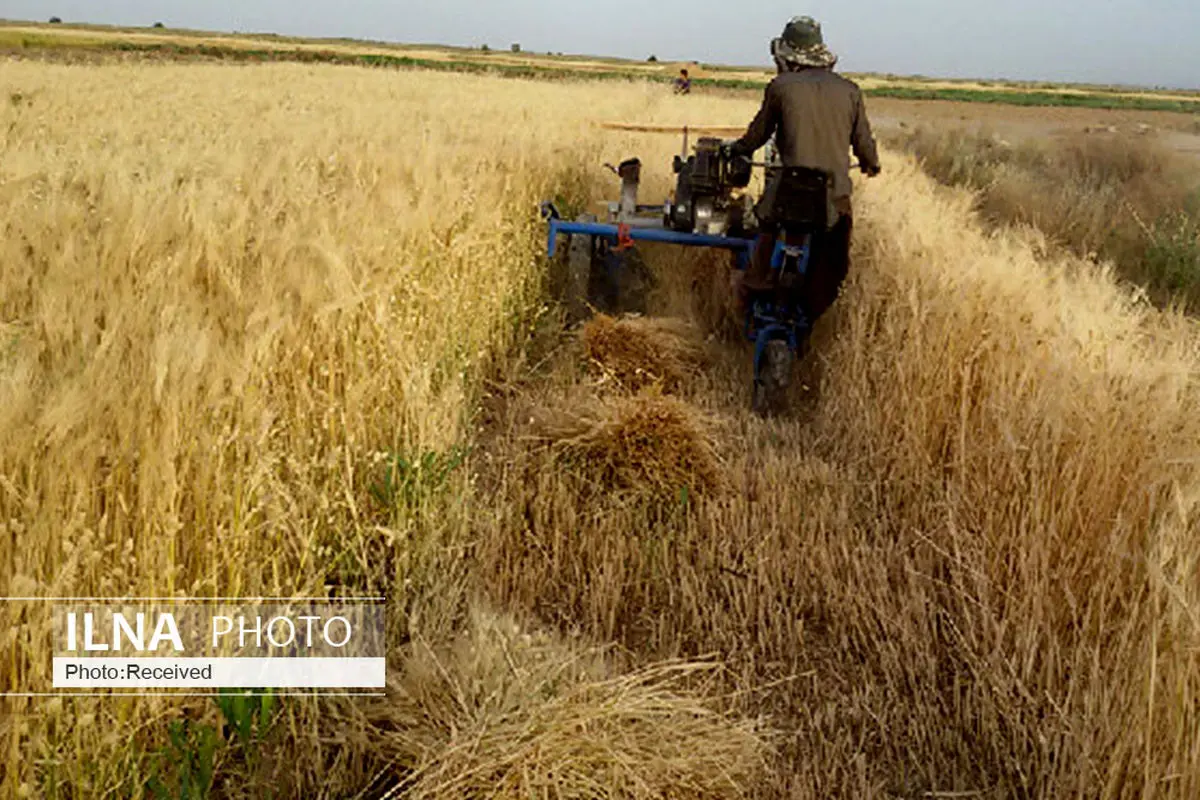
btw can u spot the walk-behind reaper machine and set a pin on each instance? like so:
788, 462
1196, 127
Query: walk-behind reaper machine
709, 209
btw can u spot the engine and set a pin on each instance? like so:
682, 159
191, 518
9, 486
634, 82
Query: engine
704, 200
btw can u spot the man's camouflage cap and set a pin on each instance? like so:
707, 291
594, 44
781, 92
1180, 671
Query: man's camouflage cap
802, 44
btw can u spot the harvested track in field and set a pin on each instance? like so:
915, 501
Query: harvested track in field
941, 507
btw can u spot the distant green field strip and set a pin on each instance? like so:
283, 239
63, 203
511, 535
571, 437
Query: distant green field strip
367, 59
535, 71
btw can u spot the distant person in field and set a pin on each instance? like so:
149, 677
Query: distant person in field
683, 84
813, 117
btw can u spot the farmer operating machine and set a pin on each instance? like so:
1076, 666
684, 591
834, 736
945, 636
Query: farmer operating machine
708, 210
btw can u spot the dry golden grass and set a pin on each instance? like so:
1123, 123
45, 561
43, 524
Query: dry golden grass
231, 298
971, 566
1127, 199
502, 713
638, 352
649, 443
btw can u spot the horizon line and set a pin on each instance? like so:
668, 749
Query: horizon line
625, 59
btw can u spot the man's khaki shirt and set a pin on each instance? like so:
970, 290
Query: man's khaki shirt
816, 116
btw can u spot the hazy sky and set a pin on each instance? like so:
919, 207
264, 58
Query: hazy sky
1149, 42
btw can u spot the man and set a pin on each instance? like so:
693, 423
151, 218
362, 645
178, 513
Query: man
815, 117
683, 84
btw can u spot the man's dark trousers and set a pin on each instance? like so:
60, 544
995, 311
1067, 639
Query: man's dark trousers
828, 265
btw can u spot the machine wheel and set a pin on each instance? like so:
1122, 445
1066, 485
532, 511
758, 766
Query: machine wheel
770, 390
579, 274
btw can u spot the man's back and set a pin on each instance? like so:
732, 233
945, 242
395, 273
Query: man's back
816, 116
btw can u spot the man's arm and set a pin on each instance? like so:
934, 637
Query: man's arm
761, 128
861, 138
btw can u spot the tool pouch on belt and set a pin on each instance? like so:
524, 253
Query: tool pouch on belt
798, 197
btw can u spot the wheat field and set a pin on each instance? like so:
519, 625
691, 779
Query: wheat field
282, 329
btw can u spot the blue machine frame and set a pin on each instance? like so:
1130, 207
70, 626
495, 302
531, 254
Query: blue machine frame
764, 322
742, 248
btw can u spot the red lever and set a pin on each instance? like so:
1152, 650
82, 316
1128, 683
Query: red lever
624, 239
